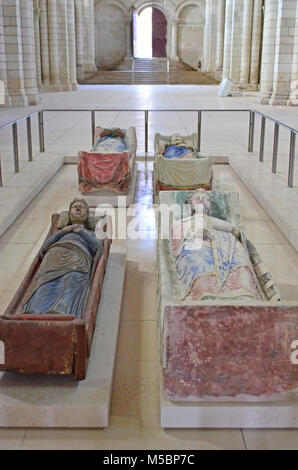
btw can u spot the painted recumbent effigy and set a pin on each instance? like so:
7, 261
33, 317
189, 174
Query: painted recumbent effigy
48, 326
111, 162
179, 165
225, 331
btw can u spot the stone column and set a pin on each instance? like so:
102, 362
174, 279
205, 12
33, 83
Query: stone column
29, 59
62, 32
286, 18
4, 97
128, 38
79, 38
86, 35
44, 45
246, 42
227, 39
92, 35
169, 40
14, 52
37, 43
206, 40
293, 101
174, 54
220, 34
53, 46
268, 53
256, 44
72, 44
212, 34
236, 40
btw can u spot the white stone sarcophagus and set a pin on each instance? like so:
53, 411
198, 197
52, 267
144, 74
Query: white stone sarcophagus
180, 166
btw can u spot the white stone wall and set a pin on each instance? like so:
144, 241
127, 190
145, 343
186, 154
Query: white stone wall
285, 30
44, 43
3, 67
71, 31
110, 36
191, 35
293, 101
50, 44
53, 46
220, 34
227, 39
14, 52
28, 47
256, 39
210, 37
63, 49
236, 40
92, 34
246, 42
38, 48
279, 52
79, 23
268, 52
36, 17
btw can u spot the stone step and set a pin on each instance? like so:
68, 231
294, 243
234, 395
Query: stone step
178, 76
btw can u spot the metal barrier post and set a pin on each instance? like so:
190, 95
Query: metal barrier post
168, 72
133, 72
292, 159
251, 131
41, 132
15, 147
29, 139
262, 139
275, 147
93, 127
146, 132
199, 130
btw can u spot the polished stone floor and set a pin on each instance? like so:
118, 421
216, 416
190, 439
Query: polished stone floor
223, 132
135, 402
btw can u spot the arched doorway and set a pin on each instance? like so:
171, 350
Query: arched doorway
149, 33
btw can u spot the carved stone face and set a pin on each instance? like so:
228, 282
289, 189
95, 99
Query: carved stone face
176, 139
78, 212
198, 199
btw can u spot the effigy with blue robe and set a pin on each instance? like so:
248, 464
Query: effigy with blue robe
110, 143
63, 279
176, 151
220, 268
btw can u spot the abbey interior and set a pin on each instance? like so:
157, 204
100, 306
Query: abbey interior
148, 224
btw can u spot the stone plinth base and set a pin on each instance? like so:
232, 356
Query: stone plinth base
18, 100
228, 415
279, 99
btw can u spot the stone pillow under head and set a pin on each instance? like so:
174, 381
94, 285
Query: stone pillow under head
64, 220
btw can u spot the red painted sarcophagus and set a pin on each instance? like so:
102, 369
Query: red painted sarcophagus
110, 164
52, 343
215, 352
226, 334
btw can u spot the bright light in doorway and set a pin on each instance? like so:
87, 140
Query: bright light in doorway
144, 34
